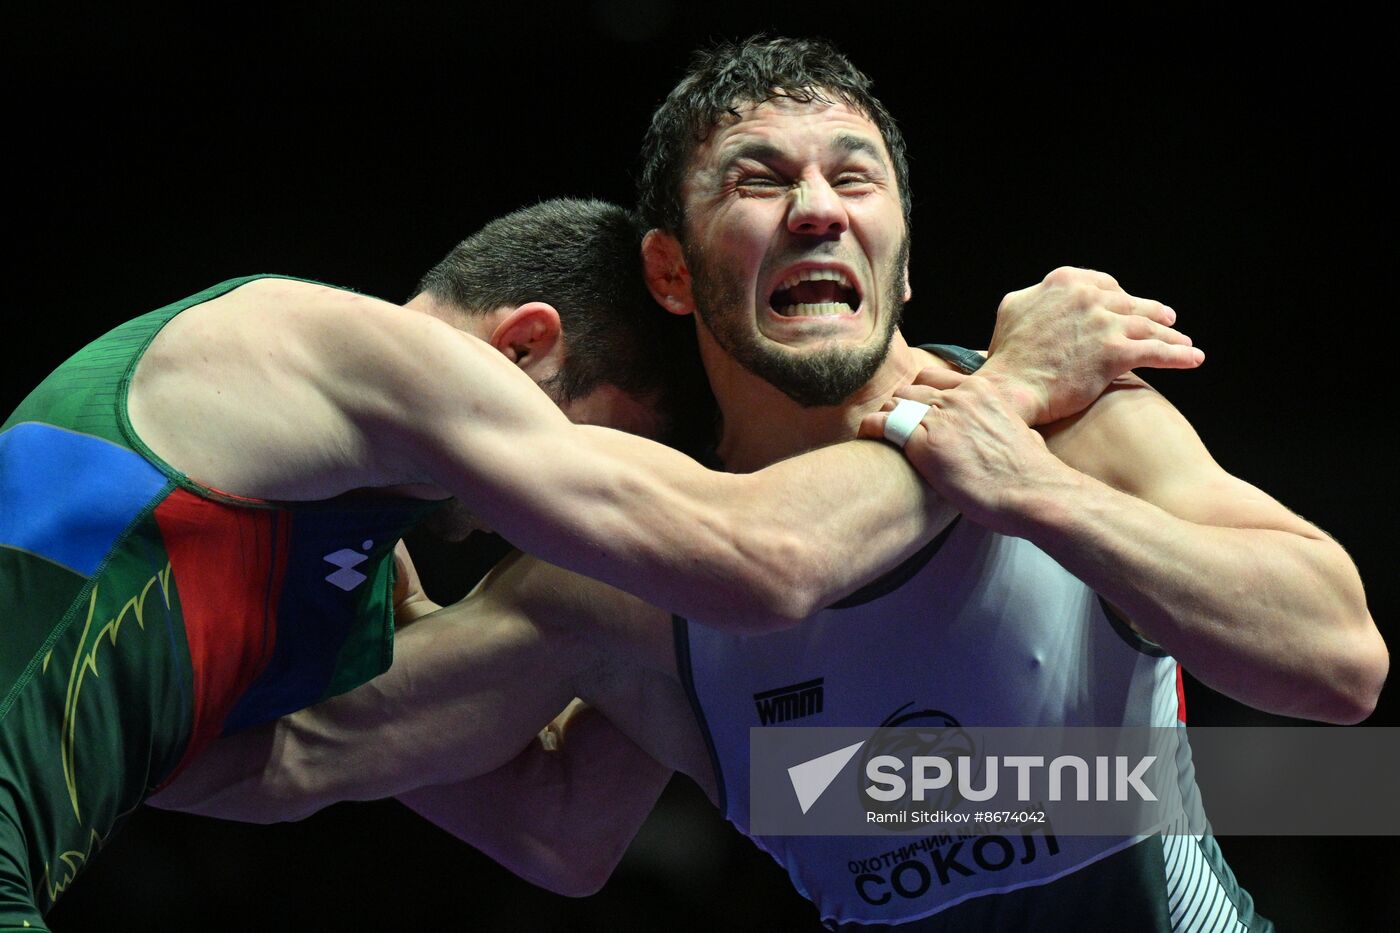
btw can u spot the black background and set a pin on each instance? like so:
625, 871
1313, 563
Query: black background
1233, 166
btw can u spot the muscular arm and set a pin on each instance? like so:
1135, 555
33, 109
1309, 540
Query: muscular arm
742, 552
769, 548
355, 392
453, 729
1253, 600
470, 688
562, 812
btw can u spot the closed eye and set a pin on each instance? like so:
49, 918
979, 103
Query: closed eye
759, 185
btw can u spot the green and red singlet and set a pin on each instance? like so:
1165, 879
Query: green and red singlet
143, 615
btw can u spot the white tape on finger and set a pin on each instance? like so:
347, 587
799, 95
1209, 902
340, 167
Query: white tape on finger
901, 422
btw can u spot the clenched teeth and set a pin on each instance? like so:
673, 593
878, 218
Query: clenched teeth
815, 293
815, 275
815, 310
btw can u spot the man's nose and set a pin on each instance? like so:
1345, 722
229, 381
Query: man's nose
816, 210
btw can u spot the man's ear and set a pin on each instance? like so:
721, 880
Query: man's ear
908, 289
529, 335
667, 276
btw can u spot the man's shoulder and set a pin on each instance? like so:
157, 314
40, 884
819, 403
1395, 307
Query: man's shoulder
290, 301
265, 390
1131, 438
267, 289
292, 321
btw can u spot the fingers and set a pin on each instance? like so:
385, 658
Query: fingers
405, 574
1152, 342
1158, 355
1103, 280
1153, 345
1123, 303
1114, 297
1070, 275
872, 426
939, 377
1140, 328
901, 421
915, 393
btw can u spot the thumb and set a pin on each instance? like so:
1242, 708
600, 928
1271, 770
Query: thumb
907, 415
939, 377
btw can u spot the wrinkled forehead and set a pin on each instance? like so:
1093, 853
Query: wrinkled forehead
785, 128
790, 122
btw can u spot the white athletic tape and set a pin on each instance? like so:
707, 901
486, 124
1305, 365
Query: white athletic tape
901, 422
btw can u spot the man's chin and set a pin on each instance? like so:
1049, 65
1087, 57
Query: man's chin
814, 378
817, 376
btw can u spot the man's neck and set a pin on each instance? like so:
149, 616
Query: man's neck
478, 325
761, 425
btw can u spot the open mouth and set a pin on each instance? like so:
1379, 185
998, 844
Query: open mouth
815, 293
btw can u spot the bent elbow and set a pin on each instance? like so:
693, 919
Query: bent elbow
772, 602
770, 567
1370, 665
1349, 710
1349, 690
767, 586
781, 589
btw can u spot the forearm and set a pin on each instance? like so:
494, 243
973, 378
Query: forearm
1249, 597
738, 551
562, 813
742, 552
243, 777
287, 770
1275, 618
471, 685
282, 772
818, 526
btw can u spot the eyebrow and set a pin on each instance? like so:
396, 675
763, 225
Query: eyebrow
759, 151
852, 144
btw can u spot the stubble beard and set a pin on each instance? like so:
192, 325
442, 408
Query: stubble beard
816, 378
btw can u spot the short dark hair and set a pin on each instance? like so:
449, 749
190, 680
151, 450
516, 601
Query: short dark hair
729, 75
584, 258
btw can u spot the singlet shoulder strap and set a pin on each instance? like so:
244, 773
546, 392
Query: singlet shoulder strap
968, 361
